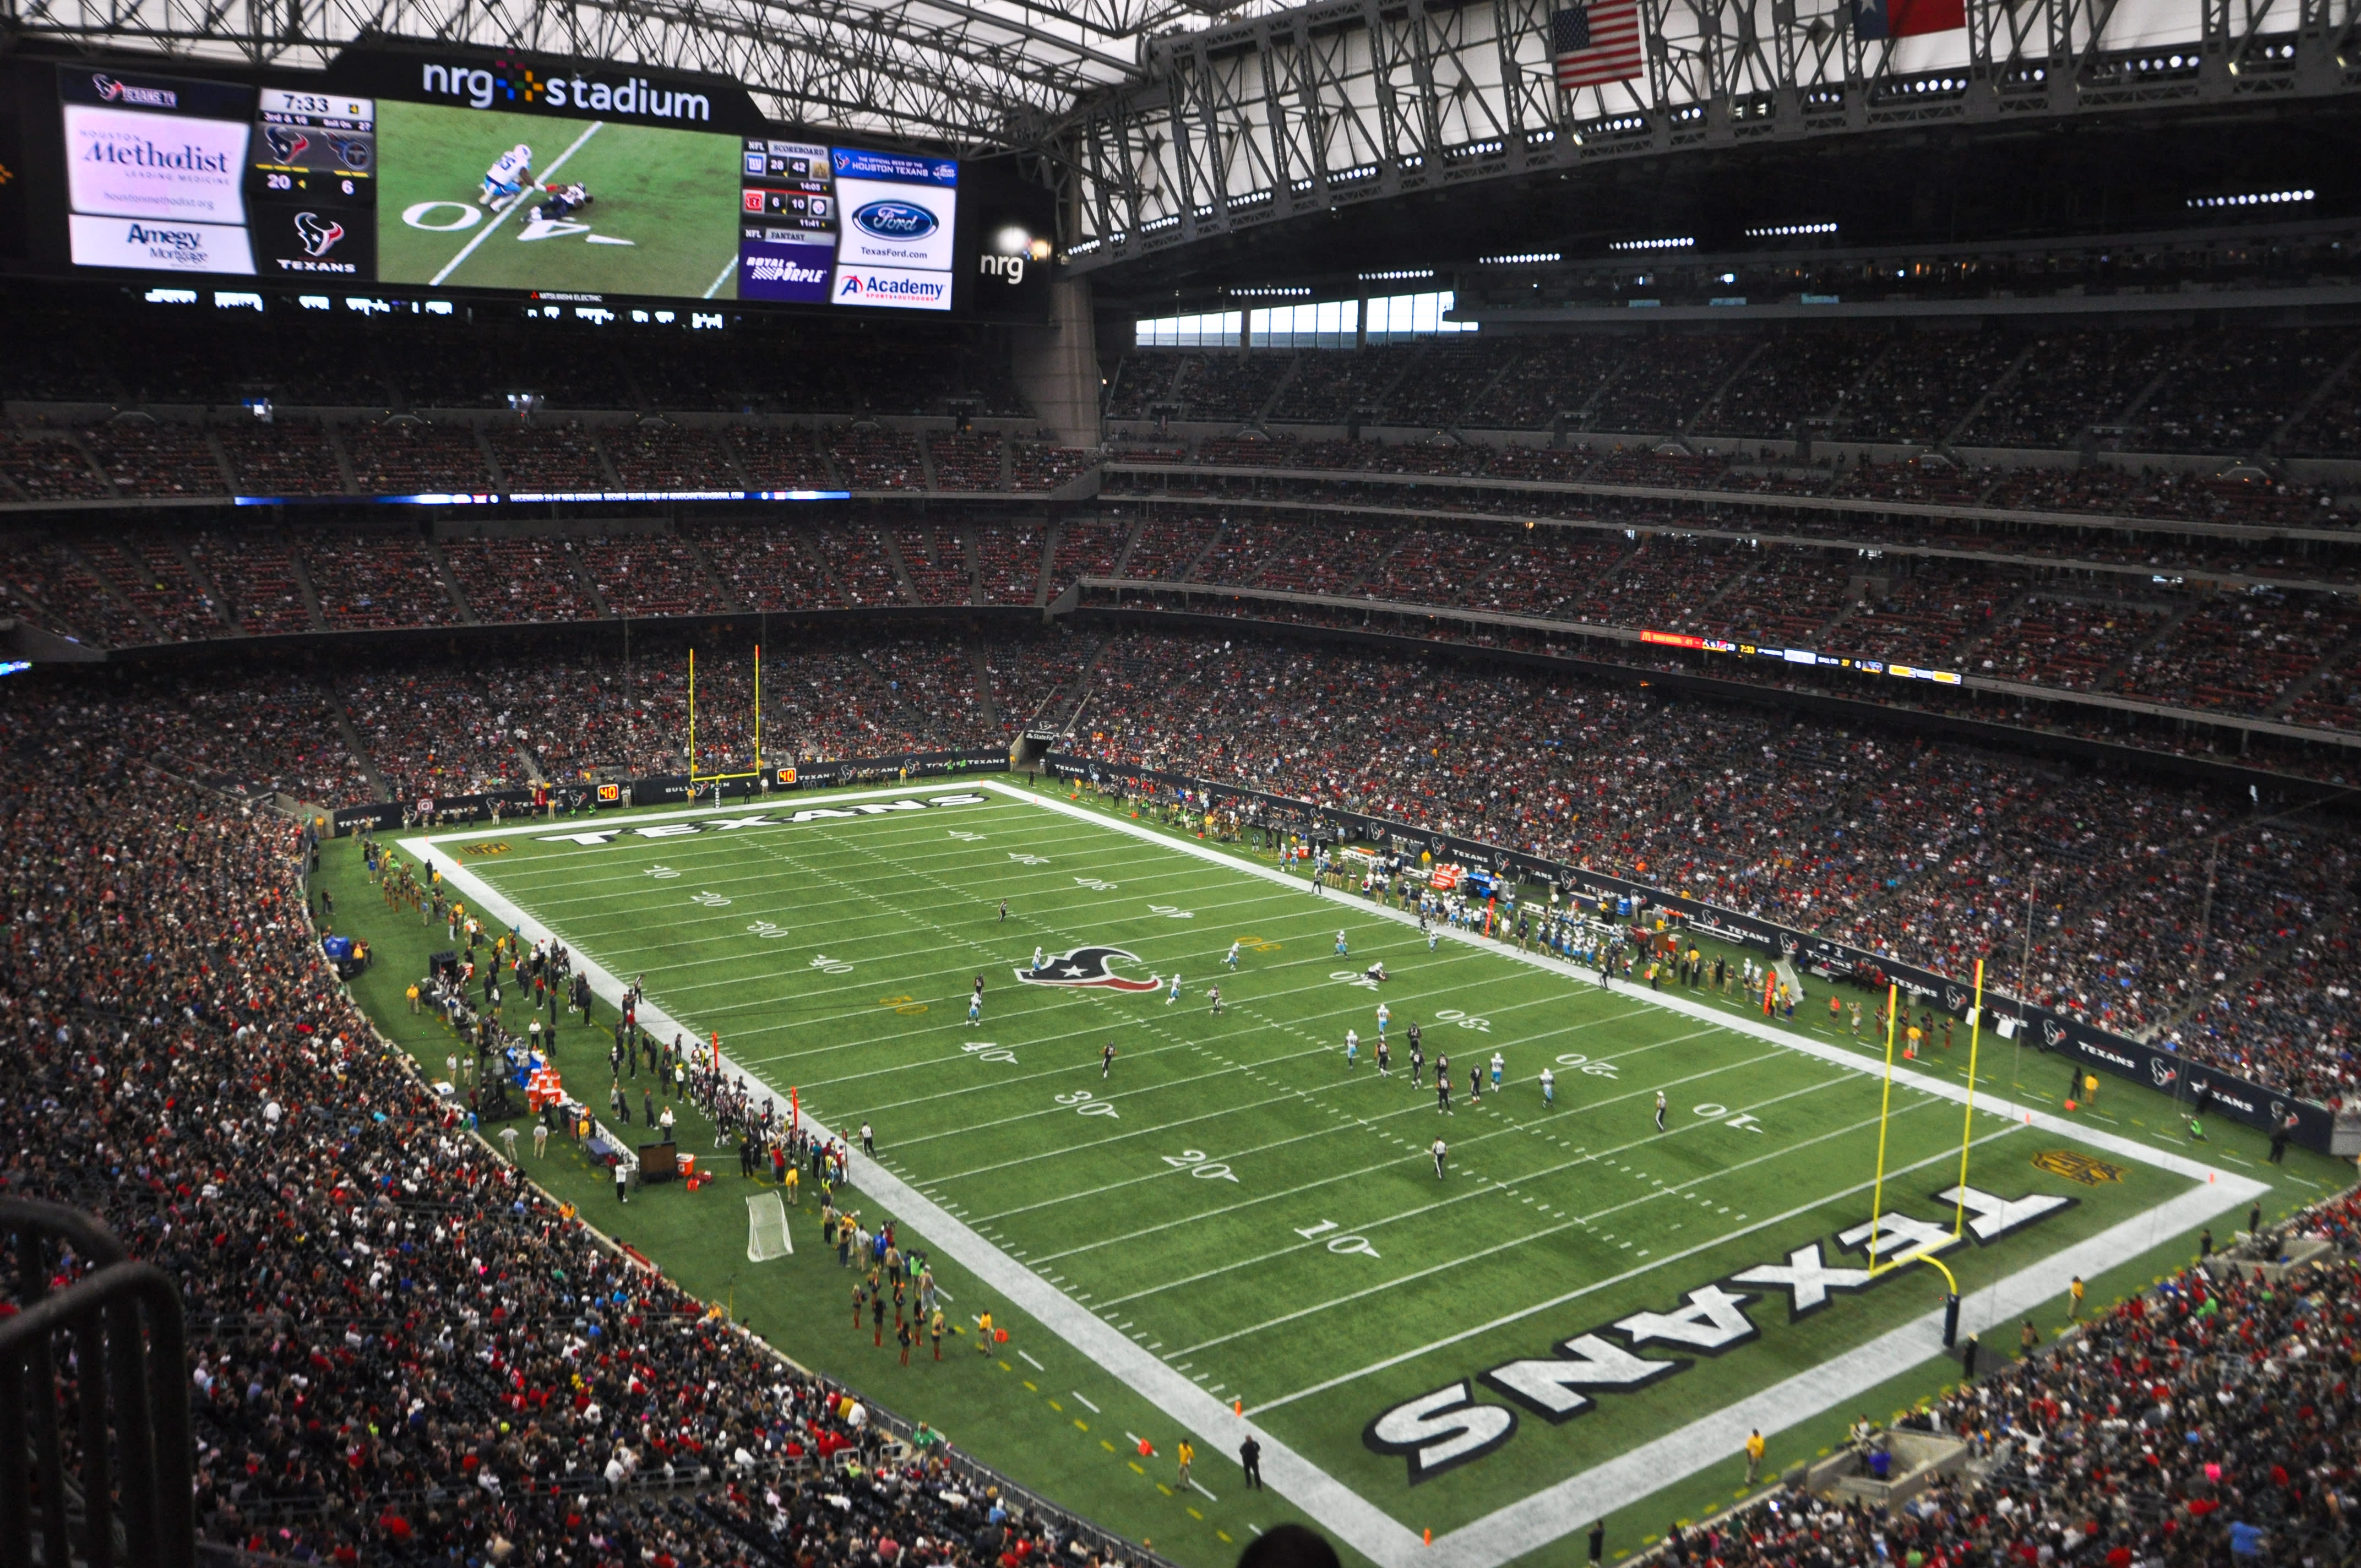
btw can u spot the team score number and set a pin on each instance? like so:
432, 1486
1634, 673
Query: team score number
1465, 1020
984, 1050
902, 1004
1086, 1103
1193, 1161
1581, 1063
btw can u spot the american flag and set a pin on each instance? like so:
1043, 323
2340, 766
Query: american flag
1596, 43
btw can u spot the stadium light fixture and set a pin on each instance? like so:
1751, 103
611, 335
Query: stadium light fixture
1400, 275
1521, 259
1789, 231
1684, 242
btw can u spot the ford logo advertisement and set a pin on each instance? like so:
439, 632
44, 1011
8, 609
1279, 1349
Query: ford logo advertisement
895, 220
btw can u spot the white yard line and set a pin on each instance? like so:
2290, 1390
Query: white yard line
502, 216
1557, 1511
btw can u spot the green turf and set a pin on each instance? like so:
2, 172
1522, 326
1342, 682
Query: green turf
1586, 1207
672, 193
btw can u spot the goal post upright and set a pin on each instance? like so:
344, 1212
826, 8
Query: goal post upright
716, 779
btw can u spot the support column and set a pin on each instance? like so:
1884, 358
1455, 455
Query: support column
1056, 366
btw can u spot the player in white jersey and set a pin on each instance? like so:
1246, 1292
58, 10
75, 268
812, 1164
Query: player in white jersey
1175, 994
509, 175
1233, 959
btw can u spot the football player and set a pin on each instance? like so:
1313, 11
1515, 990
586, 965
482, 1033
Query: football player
508, 177
562, 203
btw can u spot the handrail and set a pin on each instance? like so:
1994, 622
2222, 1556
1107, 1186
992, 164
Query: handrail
128, 1460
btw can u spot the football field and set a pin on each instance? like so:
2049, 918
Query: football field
663, 219
1249, 1234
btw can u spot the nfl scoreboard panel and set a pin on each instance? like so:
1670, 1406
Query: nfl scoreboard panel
501, 175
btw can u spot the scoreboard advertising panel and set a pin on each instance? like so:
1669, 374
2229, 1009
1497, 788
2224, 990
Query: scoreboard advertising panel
504, 174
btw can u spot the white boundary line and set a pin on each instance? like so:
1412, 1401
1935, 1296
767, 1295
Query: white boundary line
1555, 1512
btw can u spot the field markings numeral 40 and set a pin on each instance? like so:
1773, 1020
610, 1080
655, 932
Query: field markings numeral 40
1193, 1161
985, 1050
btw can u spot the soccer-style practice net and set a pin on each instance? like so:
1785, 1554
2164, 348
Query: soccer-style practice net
766, 1228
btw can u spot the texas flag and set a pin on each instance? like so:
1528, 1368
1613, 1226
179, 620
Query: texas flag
1878, 19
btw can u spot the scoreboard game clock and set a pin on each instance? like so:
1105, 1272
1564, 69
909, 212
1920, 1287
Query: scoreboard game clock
312, 184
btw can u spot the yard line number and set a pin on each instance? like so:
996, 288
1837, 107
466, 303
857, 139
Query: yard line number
1193, 1161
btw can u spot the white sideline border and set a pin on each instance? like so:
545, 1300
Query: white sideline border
1542, 1516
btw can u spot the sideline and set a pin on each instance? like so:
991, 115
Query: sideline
1554, 1512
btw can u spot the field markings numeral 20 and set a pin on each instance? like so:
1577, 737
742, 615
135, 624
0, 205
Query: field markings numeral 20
1193, 1161
710, 900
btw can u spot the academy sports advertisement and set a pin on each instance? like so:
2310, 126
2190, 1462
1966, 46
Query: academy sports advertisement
509, 175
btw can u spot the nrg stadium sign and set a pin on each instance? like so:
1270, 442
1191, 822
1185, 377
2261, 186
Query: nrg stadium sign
513, 87
511, 82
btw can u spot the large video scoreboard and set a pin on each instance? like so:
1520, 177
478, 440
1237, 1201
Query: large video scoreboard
533, 178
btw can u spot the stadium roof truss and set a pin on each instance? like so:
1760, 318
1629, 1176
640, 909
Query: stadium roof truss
976, 73
1168, 121
1352, 100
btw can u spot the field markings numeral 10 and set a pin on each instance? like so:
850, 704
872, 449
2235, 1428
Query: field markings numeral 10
1086, 1103
1339, 1244
1193, 1161
1743, 1121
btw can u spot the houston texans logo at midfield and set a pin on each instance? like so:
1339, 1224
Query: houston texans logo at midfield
1087, 966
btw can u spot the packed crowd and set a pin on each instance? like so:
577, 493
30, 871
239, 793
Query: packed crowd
64, 352
387, 1322
400, 1352
2277, 642
300, 455
2152, 910
1503, 478
2210, 1422
2155, 909
2231, 391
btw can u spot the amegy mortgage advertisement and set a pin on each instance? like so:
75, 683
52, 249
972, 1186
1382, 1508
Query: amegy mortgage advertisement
154, 172
896, 215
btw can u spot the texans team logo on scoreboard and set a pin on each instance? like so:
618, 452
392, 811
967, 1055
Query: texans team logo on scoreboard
319, 235
1087, 967
285, 144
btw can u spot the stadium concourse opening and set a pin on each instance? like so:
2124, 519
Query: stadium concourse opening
809, 804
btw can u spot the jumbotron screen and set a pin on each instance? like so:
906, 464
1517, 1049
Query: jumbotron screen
534, 179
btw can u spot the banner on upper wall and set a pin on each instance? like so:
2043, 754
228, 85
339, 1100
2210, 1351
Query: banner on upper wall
2201, 1091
